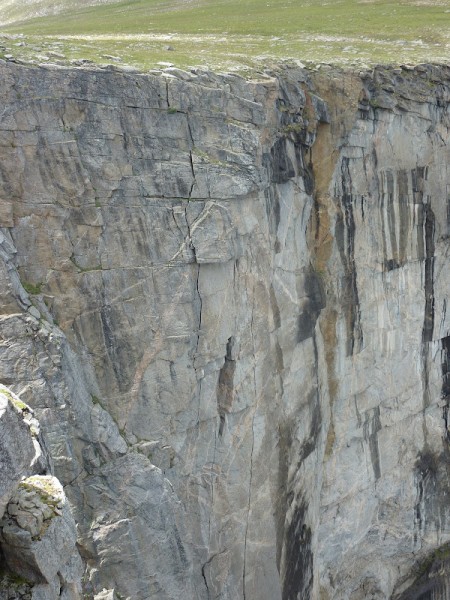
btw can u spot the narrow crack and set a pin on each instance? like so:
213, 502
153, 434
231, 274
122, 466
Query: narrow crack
191, 245
198, 337
190, 154
204, 577
167, 94
198, 275
193, 176
190, 130
429, 308
204, 567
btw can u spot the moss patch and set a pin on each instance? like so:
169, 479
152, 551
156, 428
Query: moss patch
16, 402
31, 288
11, 582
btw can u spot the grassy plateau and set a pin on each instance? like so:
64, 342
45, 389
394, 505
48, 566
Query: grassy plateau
225, 34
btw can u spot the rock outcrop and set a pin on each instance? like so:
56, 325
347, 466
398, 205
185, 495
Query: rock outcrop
17, 450
38, 540
226, 302
39, 558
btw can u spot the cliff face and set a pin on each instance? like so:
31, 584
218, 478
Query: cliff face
226, 302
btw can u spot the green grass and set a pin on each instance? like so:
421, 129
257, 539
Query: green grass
227, 33
31, 288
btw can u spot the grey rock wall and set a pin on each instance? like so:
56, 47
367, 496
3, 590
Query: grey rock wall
226, 302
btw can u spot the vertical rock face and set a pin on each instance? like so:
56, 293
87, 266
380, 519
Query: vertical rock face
226, 301
383, 499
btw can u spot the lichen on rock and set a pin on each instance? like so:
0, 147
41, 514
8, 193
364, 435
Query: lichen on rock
36, 501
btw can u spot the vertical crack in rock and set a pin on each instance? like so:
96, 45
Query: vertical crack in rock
418, 506
167, 93
371, 427
200, 305
390, 209
191, 161
191, 244
274, 307
273, 212
386, 199
197, 345
429, 224
225, 385
193, 174
345, 238
428, 323
205, 579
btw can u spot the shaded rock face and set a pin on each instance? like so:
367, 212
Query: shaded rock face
227, 304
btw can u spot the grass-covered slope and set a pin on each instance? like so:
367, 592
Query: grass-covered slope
223, 33
19, 10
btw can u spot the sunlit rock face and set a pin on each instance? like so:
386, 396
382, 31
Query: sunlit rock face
226, 302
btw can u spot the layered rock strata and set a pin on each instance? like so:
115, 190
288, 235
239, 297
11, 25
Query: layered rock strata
226, 302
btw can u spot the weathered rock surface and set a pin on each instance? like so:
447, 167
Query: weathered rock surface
38, 539
226, 302
17, 450
39, 558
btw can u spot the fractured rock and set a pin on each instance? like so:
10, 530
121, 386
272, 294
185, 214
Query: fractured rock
16, 445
